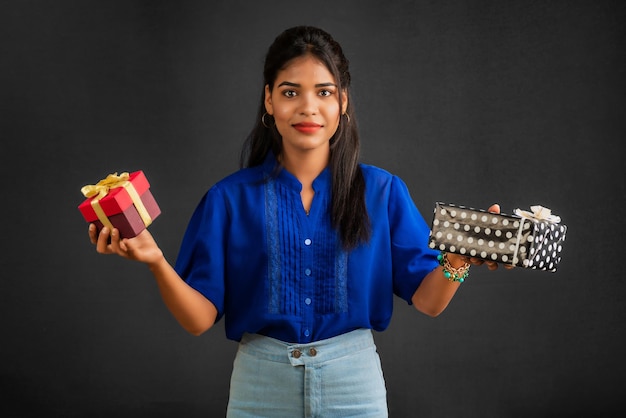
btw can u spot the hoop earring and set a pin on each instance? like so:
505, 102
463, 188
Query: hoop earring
347, 117
263, 120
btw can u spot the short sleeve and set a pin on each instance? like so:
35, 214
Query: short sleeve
201, 259
411, 257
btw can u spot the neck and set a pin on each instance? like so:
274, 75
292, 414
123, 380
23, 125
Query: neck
305, 166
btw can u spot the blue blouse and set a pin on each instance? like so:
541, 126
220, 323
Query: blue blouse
269, 268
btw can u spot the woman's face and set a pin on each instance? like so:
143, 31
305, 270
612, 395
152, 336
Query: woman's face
305, 105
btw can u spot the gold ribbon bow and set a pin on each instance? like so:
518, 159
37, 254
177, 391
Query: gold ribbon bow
102, 188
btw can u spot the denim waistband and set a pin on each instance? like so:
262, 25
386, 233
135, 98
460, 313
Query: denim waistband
306, 354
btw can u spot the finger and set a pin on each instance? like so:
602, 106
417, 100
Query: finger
92, 234
116, 245
495, 208
509, 266
477, 261
124, 246
102, 244
492, 265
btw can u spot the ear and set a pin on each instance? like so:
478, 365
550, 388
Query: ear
269, 108
344, 101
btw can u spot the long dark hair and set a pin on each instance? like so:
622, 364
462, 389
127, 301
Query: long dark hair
348, 212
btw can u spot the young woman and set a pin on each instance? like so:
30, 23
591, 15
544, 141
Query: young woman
302, 250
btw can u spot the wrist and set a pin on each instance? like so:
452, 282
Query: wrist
157, 263
455, 260
451, 272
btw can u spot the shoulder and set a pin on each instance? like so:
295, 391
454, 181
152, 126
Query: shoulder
385, 185
371, 172
378, 177
233, 187
241, 178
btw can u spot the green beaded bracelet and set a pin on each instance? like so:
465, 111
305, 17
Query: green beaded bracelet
451, 273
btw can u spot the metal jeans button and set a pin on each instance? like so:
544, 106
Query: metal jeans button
296, 354
313, 352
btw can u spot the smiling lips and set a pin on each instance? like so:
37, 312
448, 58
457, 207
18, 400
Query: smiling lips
307, 127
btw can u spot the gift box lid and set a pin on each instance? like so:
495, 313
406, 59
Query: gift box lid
117, 200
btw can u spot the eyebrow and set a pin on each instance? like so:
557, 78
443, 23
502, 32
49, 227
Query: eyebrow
290, 84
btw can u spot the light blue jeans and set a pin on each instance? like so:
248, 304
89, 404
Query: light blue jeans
337, 377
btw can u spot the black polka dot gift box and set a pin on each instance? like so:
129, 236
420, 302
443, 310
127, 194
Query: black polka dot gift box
527, 239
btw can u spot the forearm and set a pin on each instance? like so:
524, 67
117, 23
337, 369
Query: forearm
435, 292
192, 310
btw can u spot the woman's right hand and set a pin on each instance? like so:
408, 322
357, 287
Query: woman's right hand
142, 248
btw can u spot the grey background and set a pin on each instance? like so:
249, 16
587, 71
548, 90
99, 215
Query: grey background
470, 102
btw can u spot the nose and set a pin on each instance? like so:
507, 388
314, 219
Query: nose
308, 104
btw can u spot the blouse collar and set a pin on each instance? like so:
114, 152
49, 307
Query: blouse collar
272, 168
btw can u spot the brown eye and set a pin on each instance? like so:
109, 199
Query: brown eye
289, 93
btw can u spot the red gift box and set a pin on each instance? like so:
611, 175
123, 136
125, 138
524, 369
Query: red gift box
123, 202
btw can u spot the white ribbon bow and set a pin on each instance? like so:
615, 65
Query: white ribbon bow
538, 213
